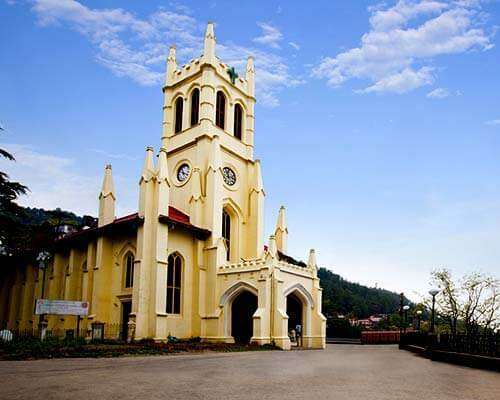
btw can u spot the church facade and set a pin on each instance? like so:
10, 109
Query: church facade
192, 261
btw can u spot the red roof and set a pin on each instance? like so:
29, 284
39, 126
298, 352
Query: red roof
175, 216
178, 215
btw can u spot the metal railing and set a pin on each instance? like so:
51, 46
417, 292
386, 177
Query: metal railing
110, 332
484, 345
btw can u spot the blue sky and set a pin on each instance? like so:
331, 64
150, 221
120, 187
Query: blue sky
378, 123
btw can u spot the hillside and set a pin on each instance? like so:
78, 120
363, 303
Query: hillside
344, 297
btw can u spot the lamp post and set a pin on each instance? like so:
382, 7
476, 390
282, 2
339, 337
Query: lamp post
433, 293
419, 315
43, 258
406, 308
401, 300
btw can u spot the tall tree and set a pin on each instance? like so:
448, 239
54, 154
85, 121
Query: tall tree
472, 302
10, 212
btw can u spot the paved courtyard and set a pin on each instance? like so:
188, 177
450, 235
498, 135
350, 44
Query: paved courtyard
340, 372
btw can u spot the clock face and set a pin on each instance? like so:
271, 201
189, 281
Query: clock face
229, 176
183, 172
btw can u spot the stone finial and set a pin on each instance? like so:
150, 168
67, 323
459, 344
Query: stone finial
171, 65
107, 198
148, 169
258, 183
281, 231
215, 157
209, 46
196, 184
162, 171
163, 187
250, 76
281, 223
272, 248
108, 187
312, 259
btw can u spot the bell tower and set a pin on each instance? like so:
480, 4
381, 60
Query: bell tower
208, 134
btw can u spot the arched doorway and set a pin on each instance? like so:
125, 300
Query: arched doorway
242, 311
294, 311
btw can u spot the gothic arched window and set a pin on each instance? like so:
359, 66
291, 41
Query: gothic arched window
179, 105
195, 107
238, 121
174, 276
226, 232
129, 270
220, 110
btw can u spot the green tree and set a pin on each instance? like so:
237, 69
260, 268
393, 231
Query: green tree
10, 212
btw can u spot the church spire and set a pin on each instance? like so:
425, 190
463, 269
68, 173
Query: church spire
107, 198
281, 231
171, 65
209, 47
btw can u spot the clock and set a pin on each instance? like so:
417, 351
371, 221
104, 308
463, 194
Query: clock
183, 172
229, 176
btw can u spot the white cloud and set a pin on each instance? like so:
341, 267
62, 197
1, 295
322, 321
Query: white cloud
403, 41
438, 93
136, 48
272, 72
403, 81
294, 45
116, 156
493, 122
271, 36
54, 182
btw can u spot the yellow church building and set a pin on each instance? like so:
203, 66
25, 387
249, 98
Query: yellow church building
191, 262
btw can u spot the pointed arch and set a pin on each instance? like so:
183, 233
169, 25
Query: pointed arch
235, 289
227, 299
238, 121
179, 108
128, 269
175, 268
232, 218
233, 208
220, 109
301, 292
129, 246
195, 106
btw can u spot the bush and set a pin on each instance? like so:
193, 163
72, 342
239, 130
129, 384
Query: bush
22, 348
340, 327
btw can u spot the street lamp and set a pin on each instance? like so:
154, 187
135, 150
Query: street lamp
406, 308
401, 301
43, 258
419, 315
433, 293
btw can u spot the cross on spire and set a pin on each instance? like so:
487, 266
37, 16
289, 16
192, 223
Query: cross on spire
232, 74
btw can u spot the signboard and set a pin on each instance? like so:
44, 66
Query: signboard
61, 307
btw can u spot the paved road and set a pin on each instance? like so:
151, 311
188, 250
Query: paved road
340, 372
